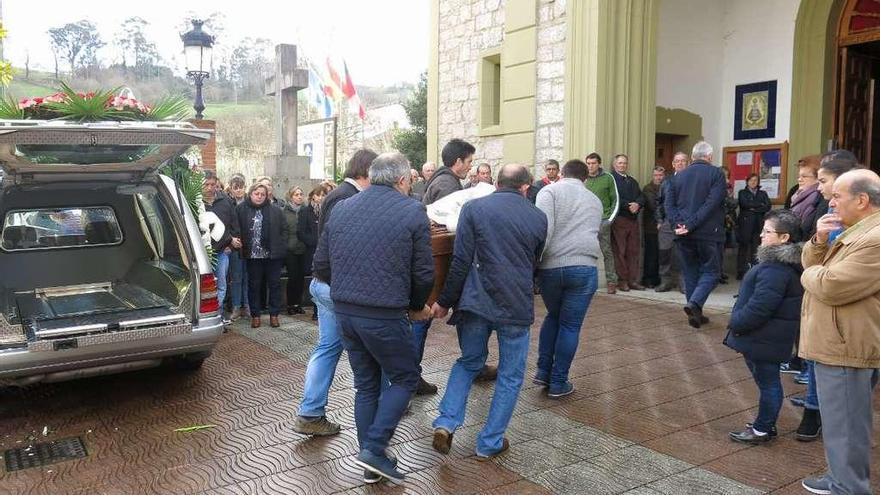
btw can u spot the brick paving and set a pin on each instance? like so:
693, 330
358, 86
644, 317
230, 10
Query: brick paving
653, 404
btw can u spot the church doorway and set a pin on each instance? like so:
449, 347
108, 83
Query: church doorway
857, 115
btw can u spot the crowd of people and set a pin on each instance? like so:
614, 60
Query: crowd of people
808, 299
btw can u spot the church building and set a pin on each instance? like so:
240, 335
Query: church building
766, 82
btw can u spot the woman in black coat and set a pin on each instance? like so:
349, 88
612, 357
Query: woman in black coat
307, 228
766, 317
753, 205
261, 230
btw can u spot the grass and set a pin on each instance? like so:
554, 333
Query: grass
242, 109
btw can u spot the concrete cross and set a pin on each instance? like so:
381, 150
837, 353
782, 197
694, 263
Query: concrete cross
283, 86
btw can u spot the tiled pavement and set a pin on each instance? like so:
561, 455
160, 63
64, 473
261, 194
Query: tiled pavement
654, 402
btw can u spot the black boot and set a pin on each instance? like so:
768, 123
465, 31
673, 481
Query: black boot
810, 427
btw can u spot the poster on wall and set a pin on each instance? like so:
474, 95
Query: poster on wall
317, 140
755, 111
767, 161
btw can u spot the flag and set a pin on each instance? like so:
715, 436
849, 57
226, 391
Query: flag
317, 94
333, 87
354, 101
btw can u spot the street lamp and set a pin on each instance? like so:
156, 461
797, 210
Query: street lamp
197, 52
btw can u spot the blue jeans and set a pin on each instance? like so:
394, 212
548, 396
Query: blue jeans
766, 375
420, 335
261, 272
220, 271
473, 338
811, 400
322, 364
378, 347
567, 293
699, 263
237, 280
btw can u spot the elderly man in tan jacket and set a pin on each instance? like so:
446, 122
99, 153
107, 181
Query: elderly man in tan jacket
840, 328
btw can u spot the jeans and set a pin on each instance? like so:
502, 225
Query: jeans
567, 293
420, 335
322, 364
811, 399
766, 375
378, 347
238, 280
845, 397
473, 338
745, 255
220, 272
261, 272
699, 262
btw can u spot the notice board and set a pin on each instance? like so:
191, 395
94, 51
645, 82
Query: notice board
769, 161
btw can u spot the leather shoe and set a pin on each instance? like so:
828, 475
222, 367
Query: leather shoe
695, 315
749, 436
636, 286
612, 288
487, 374
256, 322
442, 441
623, 286
273, 322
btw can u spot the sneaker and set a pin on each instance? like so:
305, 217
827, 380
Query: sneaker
773, 433
487, 374
425, 388
798, 401
802, 378
318, 427
694, 314
541, 380
750, 436
236, 314
820, 485
505, 445
811, 426
555, 392
442, 441
371, 478
787, 368
379, 464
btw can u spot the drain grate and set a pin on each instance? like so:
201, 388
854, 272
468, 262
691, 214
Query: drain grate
43, 454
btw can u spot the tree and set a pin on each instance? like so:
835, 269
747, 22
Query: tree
413, 142
74, 39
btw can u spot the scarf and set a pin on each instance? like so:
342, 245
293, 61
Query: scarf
803, 203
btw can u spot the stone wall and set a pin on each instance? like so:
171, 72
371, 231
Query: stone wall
550, 61
467, 29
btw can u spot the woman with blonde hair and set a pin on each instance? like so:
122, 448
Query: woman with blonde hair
296, 250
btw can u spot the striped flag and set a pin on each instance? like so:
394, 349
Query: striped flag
317, 95
354, 101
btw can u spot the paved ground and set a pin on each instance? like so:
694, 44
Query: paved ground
654, 402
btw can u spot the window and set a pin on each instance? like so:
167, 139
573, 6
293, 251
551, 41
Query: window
60, 228
490, 91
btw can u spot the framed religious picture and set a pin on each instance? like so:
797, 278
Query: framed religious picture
755, 113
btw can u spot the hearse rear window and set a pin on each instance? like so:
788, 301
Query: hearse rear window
56, 228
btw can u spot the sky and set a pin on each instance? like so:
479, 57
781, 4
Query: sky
382, 41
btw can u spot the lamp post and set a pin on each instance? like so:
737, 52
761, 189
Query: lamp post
197, 50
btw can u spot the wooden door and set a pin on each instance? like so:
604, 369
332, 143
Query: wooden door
856, 109
663, 151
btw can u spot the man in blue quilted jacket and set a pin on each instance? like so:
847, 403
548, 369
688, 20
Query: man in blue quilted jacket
375, 253
497, 245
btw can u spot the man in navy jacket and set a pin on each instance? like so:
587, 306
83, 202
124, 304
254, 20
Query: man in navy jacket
375, 252
497, 245
693, 206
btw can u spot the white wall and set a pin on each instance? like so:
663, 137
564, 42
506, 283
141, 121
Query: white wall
708, 47
689, 49
758, 46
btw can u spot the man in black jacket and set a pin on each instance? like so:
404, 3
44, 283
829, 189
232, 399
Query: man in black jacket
312, 418
223, 207
457, 157
376, 253
625, 229
693, 206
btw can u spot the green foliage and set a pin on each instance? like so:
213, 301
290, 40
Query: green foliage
413, 142
9, 108
170, 107
87, 107
190, 182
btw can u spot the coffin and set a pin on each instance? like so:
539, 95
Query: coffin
442, 242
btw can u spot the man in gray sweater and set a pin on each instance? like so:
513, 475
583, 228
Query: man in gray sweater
567, 272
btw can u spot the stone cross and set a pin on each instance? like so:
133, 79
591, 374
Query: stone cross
283, 86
